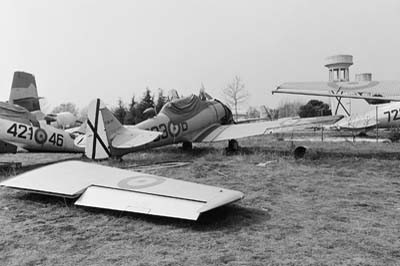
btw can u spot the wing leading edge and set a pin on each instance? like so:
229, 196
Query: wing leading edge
235, 131
369, 90
118, 189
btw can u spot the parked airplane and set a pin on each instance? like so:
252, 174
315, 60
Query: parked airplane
373, 92
185, 120
21, 130
381, 112
107, 187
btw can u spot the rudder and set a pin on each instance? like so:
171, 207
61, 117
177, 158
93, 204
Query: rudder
97, 142
24, 91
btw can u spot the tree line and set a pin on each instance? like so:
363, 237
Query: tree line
138, 110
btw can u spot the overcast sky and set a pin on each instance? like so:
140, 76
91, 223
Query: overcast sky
81, 49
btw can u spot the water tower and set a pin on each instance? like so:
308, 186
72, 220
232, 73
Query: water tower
338, 66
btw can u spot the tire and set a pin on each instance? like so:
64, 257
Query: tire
233, 145
187, 146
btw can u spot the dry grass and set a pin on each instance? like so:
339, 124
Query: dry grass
338, 208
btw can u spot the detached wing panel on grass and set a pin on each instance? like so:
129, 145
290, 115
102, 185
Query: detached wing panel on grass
118, 189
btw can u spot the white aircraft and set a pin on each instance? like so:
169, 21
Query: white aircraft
105, 187
379, 112
185, 120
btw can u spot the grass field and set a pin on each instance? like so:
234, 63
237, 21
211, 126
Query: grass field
338, 206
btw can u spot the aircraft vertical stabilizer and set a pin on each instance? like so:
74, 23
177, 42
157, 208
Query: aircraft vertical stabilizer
24, 91
106, 136
97, 145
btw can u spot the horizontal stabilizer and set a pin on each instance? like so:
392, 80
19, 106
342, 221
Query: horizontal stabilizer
118, 189
132, 137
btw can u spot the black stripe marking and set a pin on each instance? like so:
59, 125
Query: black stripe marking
96, 136
96, 122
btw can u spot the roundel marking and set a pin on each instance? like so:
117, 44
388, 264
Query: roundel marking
174, 129
138, 182
40, 136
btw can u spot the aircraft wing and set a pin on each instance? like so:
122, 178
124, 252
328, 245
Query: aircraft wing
386, 88
111, 188
336, 95
127, 137
235, 131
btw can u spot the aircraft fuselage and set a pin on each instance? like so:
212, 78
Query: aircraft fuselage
382, 116
180, 128
44, 138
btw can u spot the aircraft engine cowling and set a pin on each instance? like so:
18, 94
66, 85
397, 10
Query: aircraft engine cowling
225, 113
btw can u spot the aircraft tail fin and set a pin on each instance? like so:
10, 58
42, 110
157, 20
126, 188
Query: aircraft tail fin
99, 128
106, 136
24, 91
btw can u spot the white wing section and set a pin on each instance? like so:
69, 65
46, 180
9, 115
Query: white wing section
130, 201
132, 137
385, 88
118, 189
235, 131
336, 95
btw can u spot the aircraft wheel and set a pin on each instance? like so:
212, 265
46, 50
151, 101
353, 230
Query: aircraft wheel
299, 152
233, 145
187, 146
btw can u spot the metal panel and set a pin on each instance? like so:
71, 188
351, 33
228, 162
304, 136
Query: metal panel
129, 201
119, 189
384, 87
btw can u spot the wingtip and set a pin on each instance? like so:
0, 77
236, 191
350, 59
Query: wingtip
229, 196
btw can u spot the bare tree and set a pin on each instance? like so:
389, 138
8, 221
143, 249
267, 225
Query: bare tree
235, 94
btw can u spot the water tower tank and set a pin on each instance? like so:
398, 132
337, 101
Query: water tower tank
338, 66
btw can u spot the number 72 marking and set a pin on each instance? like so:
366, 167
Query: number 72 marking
395, 112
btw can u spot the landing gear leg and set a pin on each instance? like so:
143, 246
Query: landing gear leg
233, 145
187, 146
